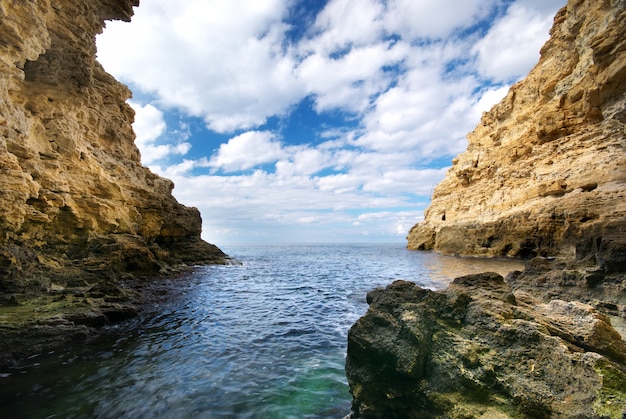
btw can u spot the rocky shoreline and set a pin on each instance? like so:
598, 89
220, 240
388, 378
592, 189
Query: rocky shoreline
86, 231
491, 347
89, 237
76, 314
544, 178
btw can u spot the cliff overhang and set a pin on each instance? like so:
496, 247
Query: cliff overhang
80, 217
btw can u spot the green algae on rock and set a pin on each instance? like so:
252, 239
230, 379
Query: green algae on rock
478, 348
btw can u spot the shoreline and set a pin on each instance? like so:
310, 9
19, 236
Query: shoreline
546, 341
74, 315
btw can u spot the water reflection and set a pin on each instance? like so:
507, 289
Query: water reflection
443, 269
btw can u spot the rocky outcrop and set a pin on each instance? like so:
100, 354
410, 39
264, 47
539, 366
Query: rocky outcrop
480, 350
77, 208
544, 176
544, 172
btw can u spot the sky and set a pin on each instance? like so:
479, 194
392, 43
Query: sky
313, 121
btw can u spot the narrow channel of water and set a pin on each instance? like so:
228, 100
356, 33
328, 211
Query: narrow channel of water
265, 339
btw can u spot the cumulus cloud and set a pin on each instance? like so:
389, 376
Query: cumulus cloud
428, 19
149, 126
350, 81
298, 206
511, 47
246, 151
395, 85
219, 60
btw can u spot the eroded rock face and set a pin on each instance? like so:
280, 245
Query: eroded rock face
545, 170
478, 349
544, 175
76, 201
80, 216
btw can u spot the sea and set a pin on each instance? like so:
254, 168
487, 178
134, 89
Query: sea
265, 338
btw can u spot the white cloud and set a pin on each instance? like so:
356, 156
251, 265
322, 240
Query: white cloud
263, 206
349, 82
424, 112
429, 19
511, 48
149, 123
246, 151
220, 60
149, 126
416, 181
406, 71
346, 23
303, 160
490, 98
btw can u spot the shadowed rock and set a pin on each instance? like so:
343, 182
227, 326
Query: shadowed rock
478, 350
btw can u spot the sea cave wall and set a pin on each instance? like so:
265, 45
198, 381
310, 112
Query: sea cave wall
544, 172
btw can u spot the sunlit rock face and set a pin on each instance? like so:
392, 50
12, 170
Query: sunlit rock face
75, 201
545, 170
544, 174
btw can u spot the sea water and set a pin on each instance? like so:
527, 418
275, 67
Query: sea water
264, 339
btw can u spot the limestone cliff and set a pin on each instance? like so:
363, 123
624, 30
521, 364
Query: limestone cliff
76, 205
75, 198
544, 172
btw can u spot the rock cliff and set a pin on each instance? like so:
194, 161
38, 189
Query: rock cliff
545, 169
544, 174
77, 208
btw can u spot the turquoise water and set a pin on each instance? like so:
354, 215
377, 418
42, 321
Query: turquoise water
265, 339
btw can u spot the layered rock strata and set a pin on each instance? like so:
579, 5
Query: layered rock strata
545, 169
78, 211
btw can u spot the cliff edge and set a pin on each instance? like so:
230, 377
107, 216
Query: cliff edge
543, 177
545, 169
78, 211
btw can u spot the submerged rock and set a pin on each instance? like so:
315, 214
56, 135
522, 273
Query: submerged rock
478, 349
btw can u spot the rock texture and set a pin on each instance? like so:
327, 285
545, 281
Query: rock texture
544, 176
77, 208
545, 170
479, 350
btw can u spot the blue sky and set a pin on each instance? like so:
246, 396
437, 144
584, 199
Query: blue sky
311, 120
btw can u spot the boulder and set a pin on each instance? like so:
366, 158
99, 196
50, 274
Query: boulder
478, 349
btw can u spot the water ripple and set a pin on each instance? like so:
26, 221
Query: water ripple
262, 339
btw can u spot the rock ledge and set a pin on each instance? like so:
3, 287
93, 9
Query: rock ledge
479, 349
